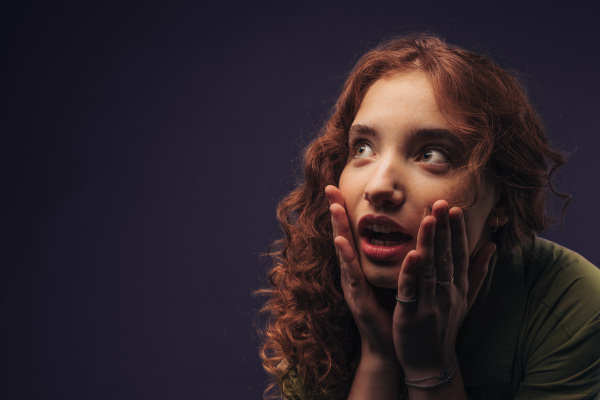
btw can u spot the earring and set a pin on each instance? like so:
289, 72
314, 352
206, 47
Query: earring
495, 229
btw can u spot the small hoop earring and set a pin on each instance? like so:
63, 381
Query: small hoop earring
495, 229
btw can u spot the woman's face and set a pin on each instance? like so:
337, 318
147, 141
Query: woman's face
403, 159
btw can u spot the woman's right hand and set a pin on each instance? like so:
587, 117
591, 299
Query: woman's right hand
374, 321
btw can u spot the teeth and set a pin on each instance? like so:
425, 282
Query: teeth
381, 228
384, 242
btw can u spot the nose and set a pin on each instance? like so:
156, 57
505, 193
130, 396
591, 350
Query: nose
385, 188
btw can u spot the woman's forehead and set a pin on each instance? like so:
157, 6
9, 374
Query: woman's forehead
404, 102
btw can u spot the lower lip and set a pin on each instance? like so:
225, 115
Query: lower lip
383, 252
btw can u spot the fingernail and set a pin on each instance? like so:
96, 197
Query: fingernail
328, 197
459, 216
445, 210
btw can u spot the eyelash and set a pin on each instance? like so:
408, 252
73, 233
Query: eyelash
356, 143
439, 149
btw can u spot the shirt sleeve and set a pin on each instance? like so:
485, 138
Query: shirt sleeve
564, 367
561, 350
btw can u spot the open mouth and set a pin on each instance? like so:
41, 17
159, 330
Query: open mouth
384, 235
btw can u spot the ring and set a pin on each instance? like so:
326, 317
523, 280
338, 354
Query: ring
445, 283
409, 301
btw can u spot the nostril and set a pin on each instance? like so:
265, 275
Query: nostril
386, 199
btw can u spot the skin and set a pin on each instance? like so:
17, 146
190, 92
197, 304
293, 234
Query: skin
396, 173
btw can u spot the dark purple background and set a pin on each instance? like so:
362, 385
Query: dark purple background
145, 147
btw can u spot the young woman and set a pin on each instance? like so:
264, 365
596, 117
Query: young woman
410, 265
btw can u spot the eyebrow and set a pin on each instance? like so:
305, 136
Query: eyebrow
421, 133
435, 133
360, 129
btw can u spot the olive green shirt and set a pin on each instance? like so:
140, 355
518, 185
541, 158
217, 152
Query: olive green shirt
533, 332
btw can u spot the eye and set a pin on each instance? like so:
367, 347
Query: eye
362, 150
432, 155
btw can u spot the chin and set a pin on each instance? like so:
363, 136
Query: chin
382, 277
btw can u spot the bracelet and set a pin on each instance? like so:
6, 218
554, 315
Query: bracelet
445, 377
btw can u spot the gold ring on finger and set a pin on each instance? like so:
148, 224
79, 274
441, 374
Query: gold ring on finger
445, 283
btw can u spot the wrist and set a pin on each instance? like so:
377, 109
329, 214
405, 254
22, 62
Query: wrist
379, 355
426, 364
426, 379
378, 358
377, 377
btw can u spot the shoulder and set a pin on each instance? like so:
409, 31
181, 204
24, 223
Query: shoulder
559, 346
551, 258
564, 283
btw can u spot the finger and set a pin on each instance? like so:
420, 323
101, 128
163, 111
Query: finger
443, 244
408, 279
334, 195
334, 222
425, 249
478, 271
340, 223
460, 248
349, 265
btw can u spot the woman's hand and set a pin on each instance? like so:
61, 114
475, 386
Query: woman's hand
374, 322
445, 282
378, 375
420, 336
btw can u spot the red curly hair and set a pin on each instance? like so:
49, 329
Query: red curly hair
310, 331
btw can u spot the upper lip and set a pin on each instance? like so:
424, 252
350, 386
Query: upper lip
370, 219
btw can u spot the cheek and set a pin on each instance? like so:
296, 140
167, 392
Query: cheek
473, 234
434, 191
342, 181
350, 185
477, 232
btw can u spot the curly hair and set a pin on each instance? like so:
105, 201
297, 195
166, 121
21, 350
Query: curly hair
310, 332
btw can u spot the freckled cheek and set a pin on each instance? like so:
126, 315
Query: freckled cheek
431, 198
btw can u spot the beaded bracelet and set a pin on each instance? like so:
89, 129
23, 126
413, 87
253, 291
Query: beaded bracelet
446, 376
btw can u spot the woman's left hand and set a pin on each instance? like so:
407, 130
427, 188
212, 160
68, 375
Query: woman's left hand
446, 282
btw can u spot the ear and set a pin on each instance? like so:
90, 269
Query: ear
498, 217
